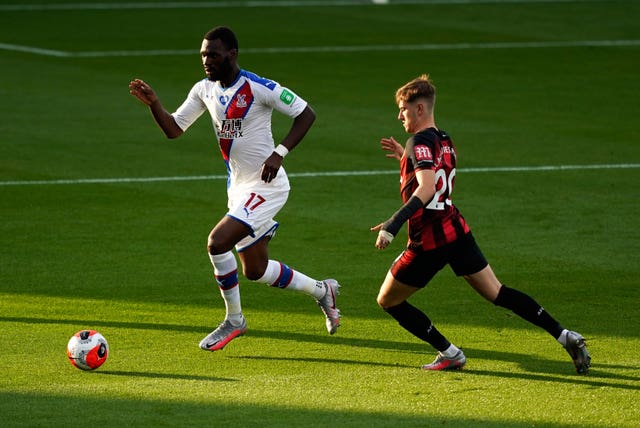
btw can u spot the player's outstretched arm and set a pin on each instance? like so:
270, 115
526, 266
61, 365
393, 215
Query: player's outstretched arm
142, 91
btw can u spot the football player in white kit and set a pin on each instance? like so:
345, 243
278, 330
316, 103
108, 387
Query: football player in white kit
240, 104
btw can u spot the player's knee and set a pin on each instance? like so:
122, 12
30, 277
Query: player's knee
383, 302
217, 246
253, 273
213, 250
388, 301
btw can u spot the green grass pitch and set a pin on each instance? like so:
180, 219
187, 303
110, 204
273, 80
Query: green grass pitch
537, 85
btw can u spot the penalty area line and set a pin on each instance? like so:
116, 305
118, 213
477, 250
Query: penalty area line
313, 174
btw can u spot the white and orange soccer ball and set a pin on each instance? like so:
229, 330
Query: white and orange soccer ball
87, 350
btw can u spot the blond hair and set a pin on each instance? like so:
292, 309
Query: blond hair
420, 87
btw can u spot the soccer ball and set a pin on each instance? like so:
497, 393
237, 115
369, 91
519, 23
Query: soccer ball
87, 350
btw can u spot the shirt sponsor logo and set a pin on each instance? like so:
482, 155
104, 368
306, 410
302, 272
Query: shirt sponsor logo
287, 97
422, 153
230, 128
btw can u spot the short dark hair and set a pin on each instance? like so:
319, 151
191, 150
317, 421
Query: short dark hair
226, 36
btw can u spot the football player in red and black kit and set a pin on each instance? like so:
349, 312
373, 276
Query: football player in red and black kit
439, 235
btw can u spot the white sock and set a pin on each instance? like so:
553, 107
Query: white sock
563, 337
282, 276
232, 304
451, 351
225, 268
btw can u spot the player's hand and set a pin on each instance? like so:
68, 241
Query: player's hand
394, 148
382, 240
270, 167
142, 91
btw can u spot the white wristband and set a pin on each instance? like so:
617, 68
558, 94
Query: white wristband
281, 150
386, 235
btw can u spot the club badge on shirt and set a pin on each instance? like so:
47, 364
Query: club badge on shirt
241, 101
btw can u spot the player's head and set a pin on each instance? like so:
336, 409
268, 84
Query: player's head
219, 53
416, 100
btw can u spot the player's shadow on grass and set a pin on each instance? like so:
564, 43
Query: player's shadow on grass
323, 361
592, 379
164, 376
323, 338
549, 370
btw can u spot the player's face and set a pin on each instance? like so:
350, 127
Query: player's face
408, 115
218, 62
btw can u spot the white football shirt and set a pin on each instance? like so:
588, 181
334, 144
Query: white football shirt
241, 116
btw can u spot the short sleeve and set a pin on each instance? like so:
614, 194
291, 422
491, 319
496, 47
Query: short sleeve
284, 100
191, 109
421, 150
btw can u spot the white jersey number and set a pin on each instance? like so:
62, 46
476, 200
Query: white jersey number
444, 186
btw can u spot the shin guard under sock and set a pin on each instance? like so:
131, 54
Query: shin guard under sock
418, 323
525, 307
225, 269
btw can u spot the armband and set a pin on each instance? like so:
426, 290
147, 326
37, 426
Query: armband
396, 221
281, 150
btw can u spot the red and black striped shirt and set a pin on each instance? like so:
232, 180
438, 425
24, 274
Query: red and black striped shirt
439, 222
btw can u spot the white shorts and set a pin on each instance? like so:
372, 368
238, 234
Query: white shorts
256, 208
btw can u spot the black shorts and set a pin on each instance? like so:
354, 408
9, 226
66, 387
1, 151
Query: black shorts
417, 268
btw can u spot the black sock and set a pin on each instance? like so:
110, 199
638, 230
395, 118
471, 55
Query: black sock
524, 306
417, 323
